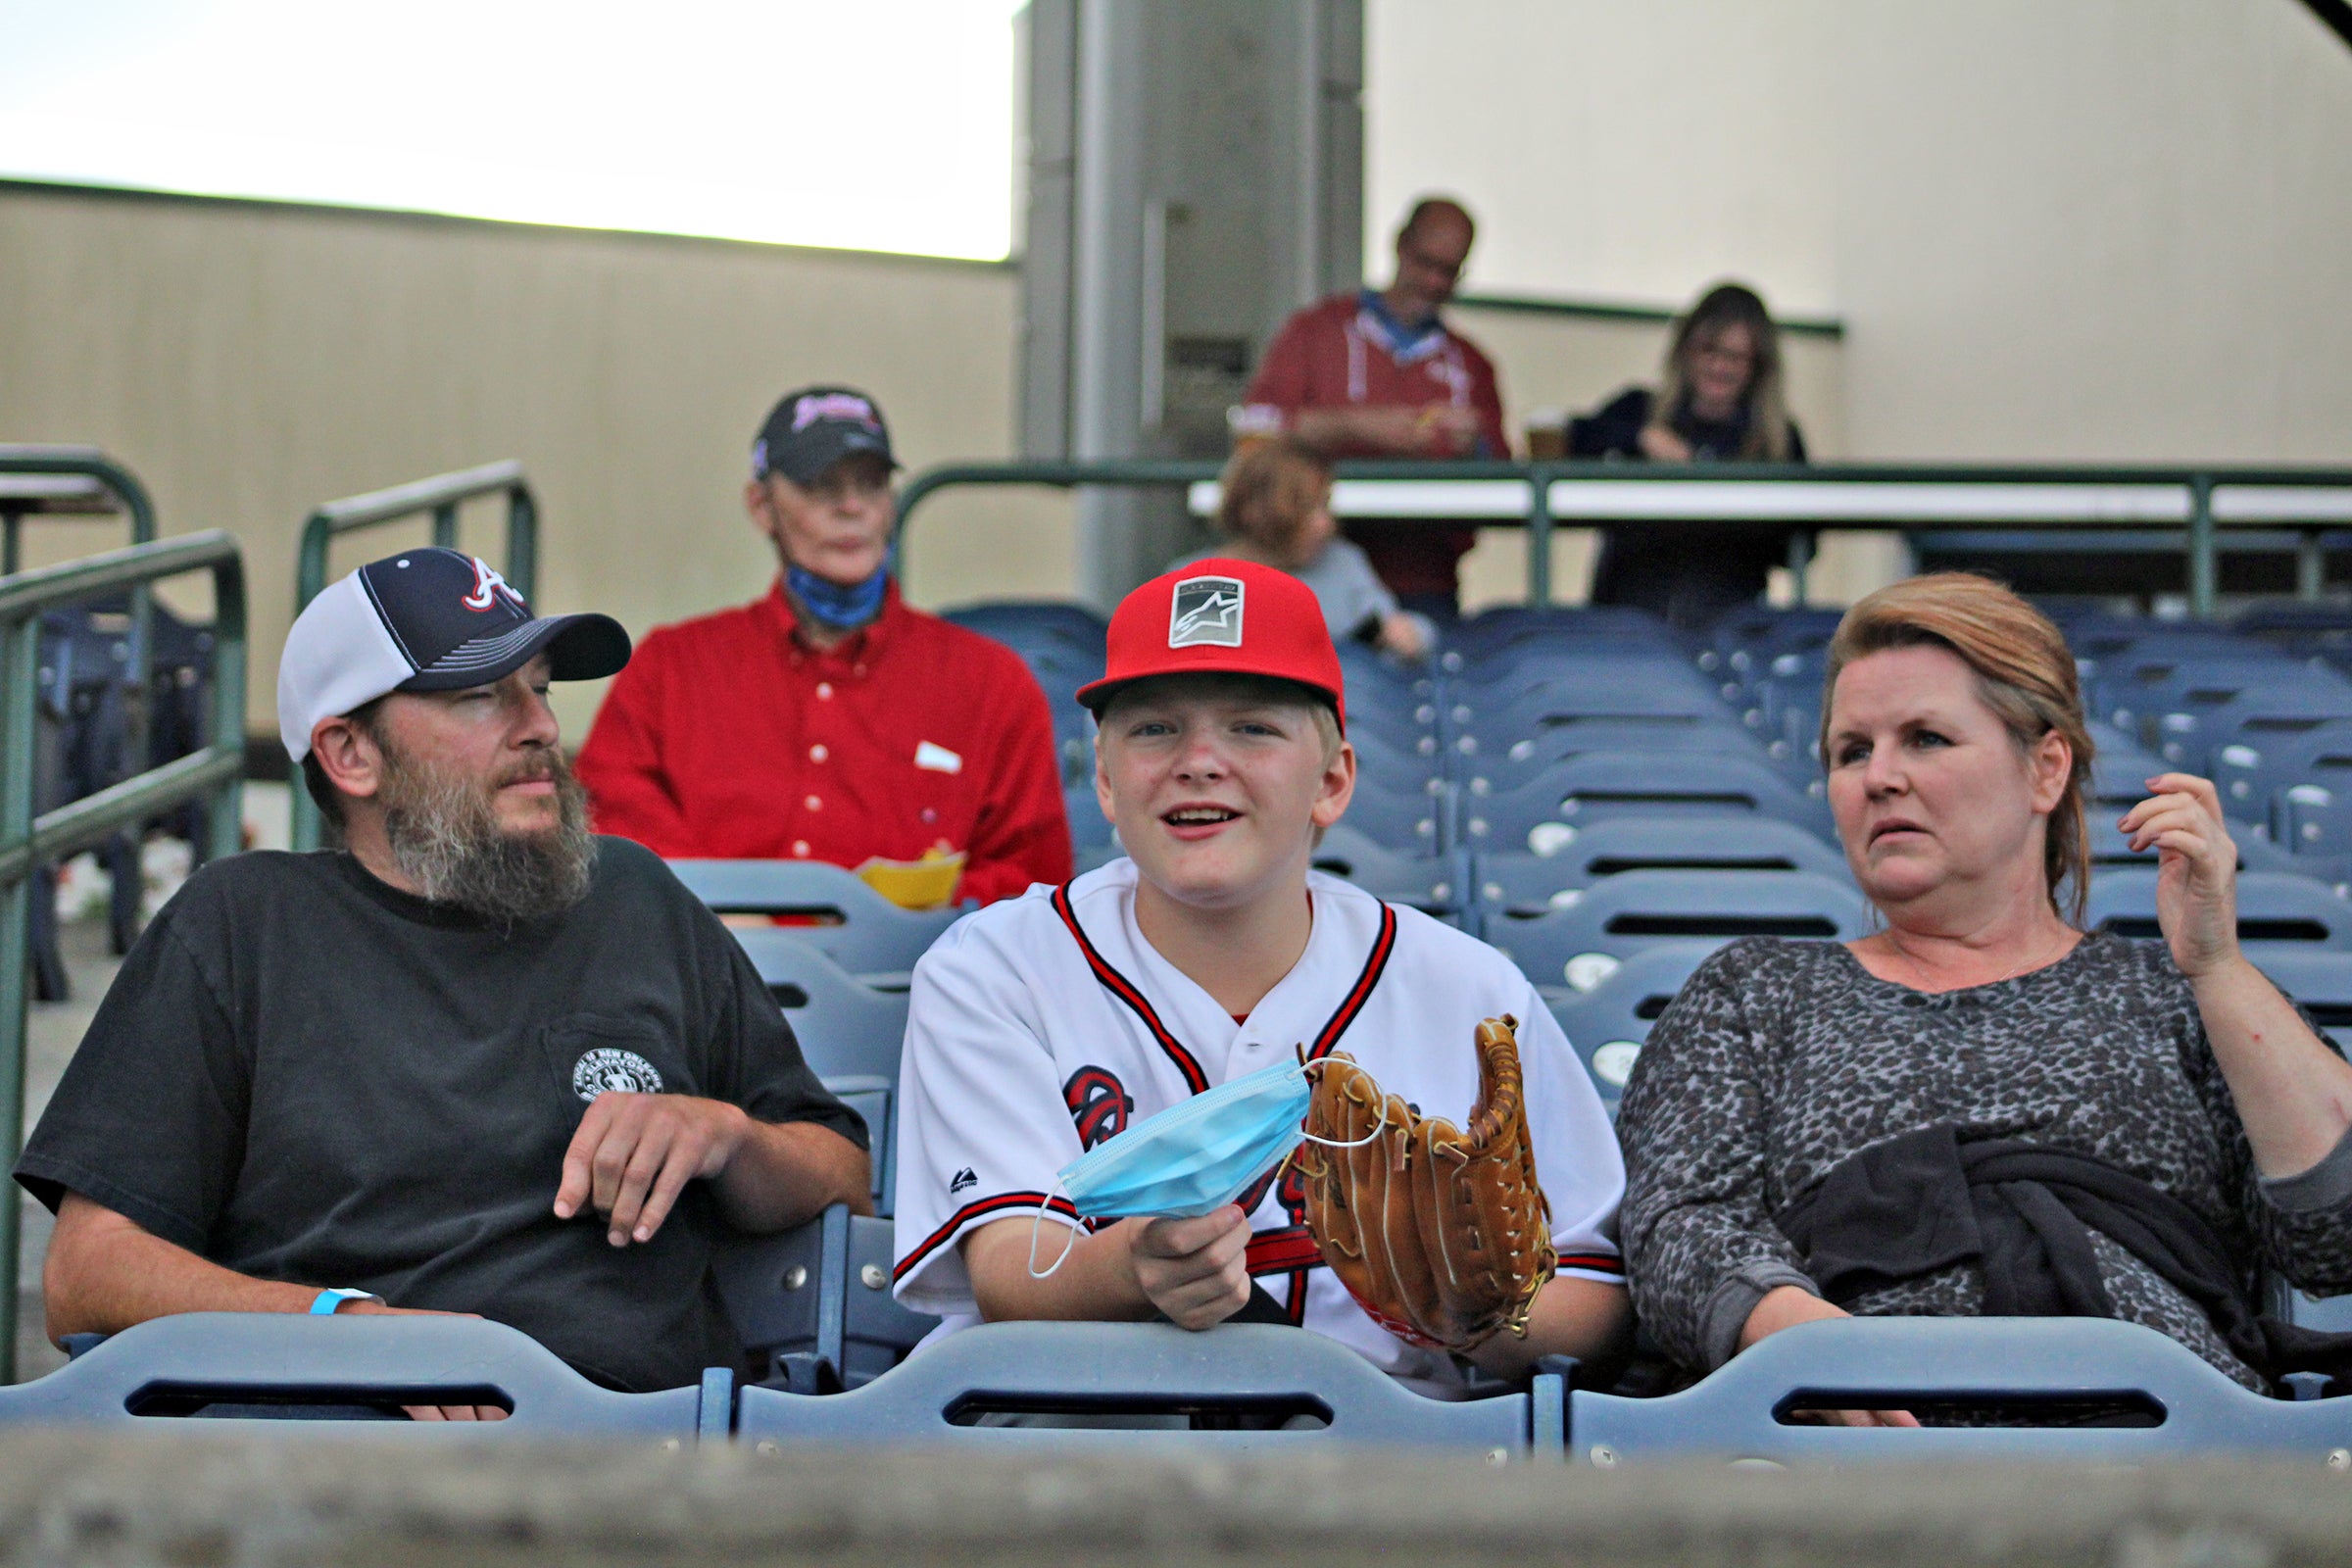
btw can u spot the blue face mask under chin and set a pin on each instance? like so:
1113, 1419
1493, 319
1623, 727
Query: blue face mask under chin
1191, 1159
832, 604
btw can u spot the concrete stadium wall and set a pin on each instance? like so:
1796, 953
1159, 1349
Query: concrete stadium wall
250, 361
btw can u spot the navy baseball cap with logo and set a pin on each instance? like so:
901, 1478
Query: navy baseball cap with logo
815, 429
425, 621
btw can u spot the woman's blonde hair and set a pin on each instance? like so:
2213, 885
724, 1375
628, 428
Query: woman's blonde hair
1270, 489
1729, 305
2024, 672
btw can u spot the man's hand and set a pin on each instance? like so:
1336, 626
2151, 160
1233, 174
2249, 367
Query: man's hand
424, 1412
1196, 1271
635, 1153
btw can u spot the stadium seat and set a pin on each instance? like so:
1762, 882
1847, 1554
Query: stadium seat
855, 927
1595, 786
1500, 768
2274, 910
279, 1366
1090, 829
813, 1305
1610, 1023
1411, 821
1741, 1411
1581, 944
1234, 1382
1524, 883
845, 1026
1433, 884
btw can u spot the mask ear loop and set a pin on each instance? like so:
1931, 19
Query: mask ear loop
1036, 1221
1352, 1143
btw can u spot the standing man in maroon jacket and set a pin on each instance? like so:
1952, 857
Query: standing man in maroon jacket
1378, 374
827, 720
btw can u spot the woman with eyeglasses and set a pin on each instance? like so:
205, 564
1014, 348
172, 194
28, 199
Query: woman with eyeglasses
1720, 400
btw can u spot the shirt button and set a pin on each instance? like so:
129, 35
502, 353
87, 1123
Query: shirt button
813, 803
825, 691
817, 754
858, 670
799, 848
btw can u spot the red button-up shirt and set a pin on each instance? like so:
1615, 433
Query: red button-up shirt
729, 738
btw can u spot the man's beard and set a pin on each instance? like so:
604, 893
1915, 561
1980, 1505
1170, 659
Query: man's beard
446, 837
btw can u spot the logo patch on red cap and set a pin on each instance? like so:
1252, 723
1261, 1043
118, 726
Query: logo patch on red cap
1206, 612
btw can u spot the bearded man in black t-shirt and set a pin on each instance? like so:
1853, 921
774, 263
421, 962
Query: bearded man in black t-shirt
476, 1060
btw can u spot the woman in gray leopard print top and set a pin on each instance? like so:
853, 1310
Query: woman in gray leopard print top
1956, 756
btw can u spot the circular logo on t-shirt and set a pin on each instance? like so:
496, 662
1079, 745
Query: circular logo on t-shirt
614, 1072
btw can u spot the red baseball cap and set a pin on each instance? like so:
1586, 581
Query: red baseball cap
1221, 617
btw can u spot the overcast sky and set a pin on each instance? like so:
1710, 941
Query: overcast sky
883, 125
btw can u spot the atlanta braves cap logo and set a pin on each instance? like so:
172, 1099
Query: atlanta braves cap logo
1206, 612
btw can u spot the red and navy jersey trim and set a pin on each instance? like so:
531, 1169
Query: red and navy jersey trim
979, 1208
1384, 944
1280, 1252
1594, 1262
1119, 986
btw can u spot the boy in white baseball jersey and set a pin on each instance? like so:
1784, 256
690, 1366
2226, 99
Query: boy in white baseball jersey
1042, 1025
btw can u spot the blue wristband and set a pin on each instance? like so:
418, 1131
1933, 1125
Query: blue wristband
330, 1301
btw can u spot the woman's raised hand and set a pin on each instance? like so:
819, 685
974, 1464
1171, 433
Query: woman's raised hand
2197, 878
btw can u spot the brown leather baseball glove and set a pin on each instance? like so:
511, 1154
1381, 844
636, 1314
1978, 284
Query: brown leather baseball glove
1442, 1235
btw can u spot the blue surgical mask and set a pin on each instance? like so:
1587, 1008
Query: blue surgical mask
842, 608
1191, 1159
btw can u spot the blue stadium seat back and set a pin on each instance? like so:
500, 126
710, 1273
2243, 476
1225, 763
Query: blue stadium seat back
1526, 756
1015, 621
813, 1305
2276, 910
2320, 983
1411, 822
1524, 883
1433, 884
845, 1025
284, 1363
1593, 787
1610, 1023
1394, 766
2301, 628
1570, 948
1401, 729
1090, 829
2330, 1314
1738, 1411
874, 1098
1331, 1397
2192, 735
1528, 693
850, 922
1496, 635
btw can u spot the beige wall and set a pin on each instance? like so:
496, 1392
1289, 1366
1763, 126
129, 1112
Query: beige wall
249, 363
2077, 230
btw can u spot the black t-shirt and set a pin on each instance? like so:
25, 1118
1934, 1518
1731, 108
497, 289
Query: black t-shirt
304, 1074
1687, 575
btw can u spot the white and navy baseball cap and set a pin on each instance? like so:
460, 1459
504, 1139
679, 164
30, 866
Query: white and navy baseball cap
425, 621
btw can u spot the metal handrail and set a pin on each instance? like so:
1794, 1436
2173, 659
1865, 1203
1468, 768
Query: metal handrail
441, 496
88, 463
1907, 498
28, 840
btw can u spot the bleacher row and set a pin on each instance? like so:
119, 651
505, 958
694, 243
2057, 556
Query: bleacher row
1605, 800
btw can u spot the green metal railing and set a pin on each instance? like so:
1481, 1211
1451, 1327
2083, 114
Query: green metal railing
81, 478
27, 842
2202, 505
440, 496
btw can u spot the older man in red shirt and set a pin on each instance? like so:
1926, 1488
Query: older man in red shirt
1379, 373
827, 720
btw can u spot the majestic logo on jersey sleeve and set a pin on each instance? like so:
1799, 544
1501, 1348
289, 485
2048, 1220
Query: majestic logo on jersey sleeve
488, 586
610, 1071
1098, 1103
1206, 612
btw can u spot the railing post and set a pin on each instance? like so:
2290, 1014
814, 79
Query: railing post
2204, 563
1801, 564
523, 541
1538, 535
445, 525
19, 656
2311, 567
